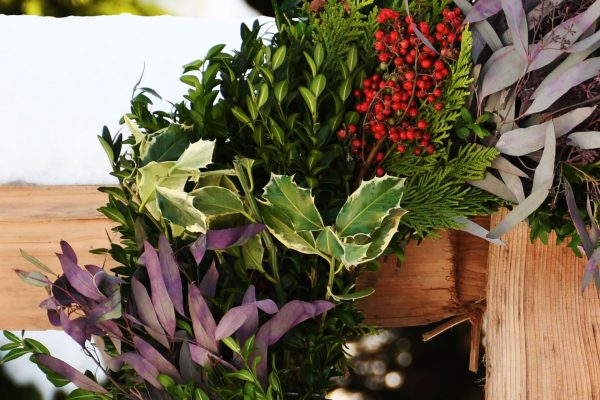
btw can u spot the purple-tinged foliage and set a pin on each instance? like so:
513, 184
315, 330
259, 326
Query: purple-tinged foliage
145, 311
484, 9
156, 358
219, 239
142, 367
208, 284
160, 297
203, 322
65, 370
170, 272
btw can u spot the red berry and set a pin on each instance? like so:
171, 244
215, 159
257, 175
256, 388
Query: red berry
409, 76
417, 151
352, 128
430, 149
342, 134
404, 44
422, 124
440, 27
412, 112
430, 98
426, 63
356, 143
367, 83
437, 92
379, 35
401, 148
380, 171
439, 106
393, 36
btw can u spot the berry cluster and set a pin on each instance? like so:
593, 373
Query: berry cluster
410, 75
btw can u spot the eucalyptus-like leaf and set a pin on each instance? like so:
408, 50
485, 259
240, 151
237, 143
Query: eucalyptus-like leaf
80, 279
366, 208
591, 270
523, 141
519, 213
293, 201
502, 164
329, 243
495, 186
549, 48
586, 241
153, 356
237, 316
483, 9
587, 45
504, 68
160, 296
144, 368
108, 309
552, 91
278, 224
34, 278
517, 24
585, 140
170, 272
215, 200
476, 230
544, 173
197, 155
203, 321
514, 184
63, 369
177, 207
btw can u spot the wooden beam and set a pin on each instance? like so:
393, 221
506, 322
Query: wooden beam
543, 338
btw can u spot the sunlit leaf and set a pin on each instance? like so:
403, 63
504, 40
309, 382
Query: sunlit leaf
177, 207
585, 140
197, 155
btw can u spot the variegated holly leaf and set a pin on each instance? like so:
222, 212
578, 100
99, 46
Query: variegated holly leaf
295, 203
197, 155
177, 207
366, 208
329, 243
156, 174
278, 224
215, 200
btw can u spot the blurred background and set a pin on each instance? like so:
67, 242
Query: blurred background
394, 364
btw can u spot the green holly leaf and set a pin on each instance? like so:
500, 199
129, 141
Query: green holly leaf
177, 207
278, 224
197, 155
215, 200
167, 145
366, 208
329, 243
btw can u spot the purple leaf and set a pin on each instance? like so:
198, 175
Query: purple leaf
170, 271
589, 43
250, 326
70, 373
49, 304
200, 355
198, 248
208, 285
54, 317
186, 365
109, 308
517, 23
591, 270
144, 368
158, 360
203, 323
237, 316
549, 49
483, 32
504, 67
484, 9
223, 238
65, 294
290, 315
78, 278
549, 93
160, 297
145, 311
76, 328
34, 278
588, 246
68, 251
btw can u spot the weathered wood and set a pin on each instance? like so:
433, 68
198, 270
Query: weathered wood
434, 282
543, 338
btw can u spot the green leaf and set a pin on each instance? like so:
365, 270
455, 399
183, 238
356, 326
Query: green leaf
317, 85
278, 57
319, 54
11, 336
352, 296
263, 95
366, 208
107, 148
190, 80
311, 63
252, 107
242, 374
277, 134
156, 174
381, 238
296, 203
280, 90
240, 115
278, 225
197, 155
330, 244
113, 214
200, 395
309, 98
10, 346
466, 115
354, 253
213, 51
253, 253
215, 200
14, 354
138, 136
352, 59
177, 207
80, 394
167, 145
37, 263
345, 89
232, 344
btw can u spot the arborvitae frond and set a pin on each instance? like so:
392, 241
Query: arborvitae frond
339, 25
436, 198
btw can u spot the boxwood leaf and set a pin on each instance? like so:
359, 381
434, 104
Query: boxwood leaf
280, 90
366, 208
294, 202
309, 98
278, 57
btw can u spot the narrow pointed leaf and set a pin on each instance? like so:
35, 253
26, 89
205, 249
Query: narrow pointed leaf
517, 23
591, 270
208, 285
250, 325
484, 9
219, 239
198, 248
75, 328
587, 45
109, 308
575, 75
156, 358
544, 173
359, 294
146, 312
80, 280
585, 140
519, 213
200, 355
514, 184
68, 251
203, 322
477, 230
504, 67
63, 369
502, 164
495, 186
214, 200
586, 241
278, 57
237, 316
37, 263
309, 98
142, 367
160, 296
34, 278
296, 203
522, 141
366, 208
170, 273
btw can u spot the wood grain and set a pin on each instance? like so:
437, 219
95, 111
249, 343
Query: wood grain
543, 338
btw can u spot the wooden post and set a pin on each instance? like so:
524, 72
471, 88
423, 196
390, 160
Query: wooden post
543, 338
